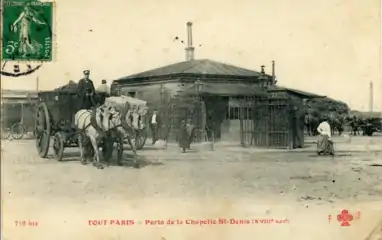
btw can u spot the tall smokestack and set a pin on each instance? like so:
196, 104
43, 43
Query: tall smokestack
189, 48
371, 97
273, 73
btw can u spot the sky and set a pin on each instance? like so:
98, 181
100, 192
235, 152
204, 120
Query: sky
329, 47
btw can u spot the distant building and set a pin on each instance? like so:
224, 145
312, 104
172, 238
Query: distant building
226, 108
17, 96
227, 91
18, 106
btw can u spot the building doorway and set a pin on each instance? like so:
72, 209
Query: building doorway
216, 111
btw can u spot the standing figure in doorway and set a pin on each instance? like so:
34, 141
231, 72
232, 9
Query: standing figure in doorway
325, 144
155, 124
183, 137
86, 91
190, 131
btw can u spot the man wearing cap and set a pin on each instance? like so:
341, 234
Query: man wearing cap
104, 91
104, 88
86, 91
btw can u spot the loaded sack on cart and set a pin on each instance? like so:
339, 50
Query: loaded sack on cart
133, 104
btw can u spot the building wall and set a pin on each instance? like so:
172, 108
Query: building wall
230, 125
152, 92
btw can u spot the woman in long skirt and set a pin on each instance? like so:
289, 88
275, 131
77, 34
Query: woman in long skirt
325, 144
183, 136
190, 131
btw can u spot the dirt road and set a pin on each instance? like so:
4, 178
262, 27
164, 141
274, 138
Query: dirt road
275, 194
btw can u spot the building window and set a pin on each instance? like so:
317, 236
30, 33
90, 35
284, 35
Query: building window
132, 94
248, 113
235, 112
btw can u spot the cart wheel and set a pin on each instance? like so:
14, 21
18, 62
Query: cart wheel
17, 130
140, 139
43, 130
6, 133
58, 146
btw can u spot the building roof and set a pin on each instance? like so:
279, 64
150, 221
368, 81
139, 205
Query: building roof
295, 91
7, 93
204, 67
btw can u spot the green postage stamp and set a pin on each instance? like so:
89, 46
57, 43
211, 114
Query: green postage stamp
27, 30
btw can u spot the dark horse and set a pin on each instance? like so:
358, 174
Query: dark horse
311, 124
354, 123
337, 124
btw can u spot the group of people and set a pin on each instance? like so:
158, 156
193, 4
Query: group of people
185, 136
89, 96
86, 91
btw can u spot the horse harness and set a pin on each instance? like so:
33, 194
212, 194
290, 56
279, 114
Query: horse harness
93, 120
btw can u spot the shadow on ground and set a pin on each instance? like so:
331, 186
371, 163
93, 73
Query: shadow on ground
127, 161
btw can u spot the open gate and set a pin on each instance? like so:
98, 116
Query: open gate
246, 121
267, 122
182, 108
272, 120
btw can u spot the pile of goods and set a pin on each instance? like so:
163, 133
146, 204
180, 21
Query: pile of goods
121, 102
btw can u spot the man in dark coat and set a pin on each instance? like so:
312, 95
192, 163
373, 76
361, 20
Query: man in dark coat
190, 131
183, 137
86, 91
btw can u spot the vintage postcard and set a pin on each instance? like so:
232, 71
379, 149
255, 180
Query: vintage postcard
166, 120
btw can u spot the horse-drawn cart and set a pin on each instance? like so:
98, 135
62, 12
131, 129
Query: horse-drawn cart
55, 118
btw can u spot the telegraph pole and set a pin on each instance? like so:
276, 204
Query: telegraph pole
371, 97
37, 84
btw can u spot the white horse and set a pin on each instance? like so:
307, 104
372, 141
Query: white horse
95, 131
123, 124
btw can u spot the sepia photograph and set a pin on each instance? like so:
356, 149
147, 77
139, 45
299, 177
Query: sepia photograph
177, 120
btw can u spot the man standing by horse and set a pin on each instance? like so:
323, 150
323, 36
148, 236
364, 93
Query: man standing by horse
86, 92
325, 144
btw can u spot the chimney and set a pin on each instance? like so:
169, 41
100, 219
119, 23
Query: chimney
273, 73
189, 48
371, 97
